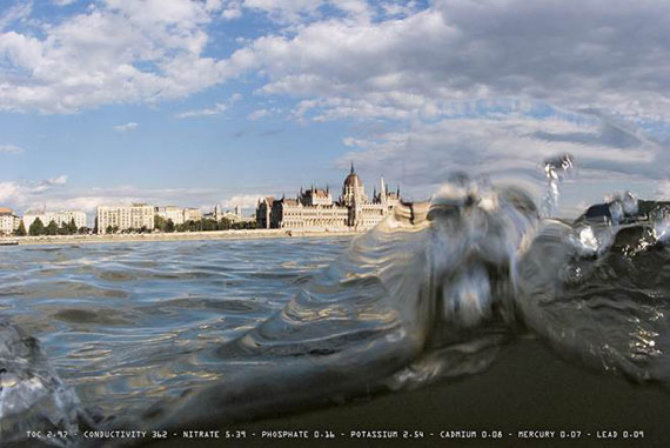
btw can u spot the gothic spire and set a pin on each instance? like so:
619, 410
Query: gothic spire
352, 167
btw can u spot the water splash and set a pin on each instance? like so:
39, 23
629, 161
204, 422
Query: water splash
433, 292
555, 170
622, 208
32, 397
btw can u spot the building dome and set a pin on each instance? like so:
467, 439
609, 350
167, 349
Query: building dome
352, 180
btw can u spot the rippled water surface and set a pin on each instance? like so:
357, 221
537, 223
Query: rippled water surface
114, 317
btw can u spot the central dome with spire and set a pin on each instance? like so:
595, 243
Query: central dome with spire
353, 190
352, 180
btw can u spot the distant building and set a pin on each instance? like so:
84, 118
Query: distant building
9, 222
135, 216
192, 214
234, 216
178, 215
60, 218
315, 208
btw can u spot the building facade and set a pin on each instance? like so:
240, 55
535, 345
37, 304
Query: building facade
135, 216
315, 208
233, 216
60, 218
192, 214
178, 215
9, 222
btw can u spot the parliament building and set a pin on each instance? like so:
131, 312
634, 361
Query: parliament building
315, 208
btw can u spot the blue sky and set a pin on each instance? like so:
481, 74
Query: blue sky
194, 102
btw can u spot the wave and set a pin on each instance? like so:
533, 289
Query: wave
435, 291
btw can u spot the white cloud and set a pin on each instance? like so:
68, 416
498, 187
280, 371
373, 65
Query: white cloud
507, 149
60, 180
8, 191
216, 110
19, 194
258, 114
126, 127
63, 2
11, 149
19, 12
233, 10
460, 50
244, 201
117, 51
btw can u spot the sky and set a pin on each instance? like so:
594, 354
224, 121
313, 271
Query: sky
197, 102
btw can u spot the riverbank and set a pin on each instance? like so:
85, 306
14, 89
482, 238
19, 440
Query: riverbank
175, 236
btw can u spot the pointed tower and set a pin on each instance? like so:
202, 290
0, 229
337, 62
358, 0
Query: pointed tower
383, 192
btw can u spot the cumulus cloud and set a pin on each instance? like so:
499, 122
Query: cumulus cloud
116, 51
55, 195
407, 59
574, 57
126, 127
510, 148
19, 194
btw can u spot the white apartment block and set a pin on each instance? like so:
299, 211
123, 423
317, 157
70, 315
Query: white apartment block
60, 218
192, 214
178, 215
8, 221
134, 216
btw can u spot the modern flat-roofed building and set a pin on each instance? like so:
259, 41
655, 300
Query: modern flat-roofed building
59, 217
9, 222
135, 216
178, 215
192, 214
170, 212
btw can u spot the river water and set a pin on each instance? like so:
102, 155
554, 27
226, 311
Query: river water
138, 336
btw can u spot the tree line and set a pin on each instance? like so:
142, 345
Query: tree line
168, 226
37, 228
202, 225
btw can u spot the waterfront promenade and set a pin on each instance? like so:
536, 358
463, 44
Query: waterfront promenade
174, 236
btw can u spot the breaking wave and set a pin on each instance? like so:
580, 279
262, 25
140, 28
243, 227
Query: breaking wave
435, 291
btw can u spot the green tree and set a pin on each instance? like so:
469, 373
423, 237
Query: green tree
169, 226
159, 223
72, 227
52, 228
36, 228
21, 231
110, 229
224, 224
